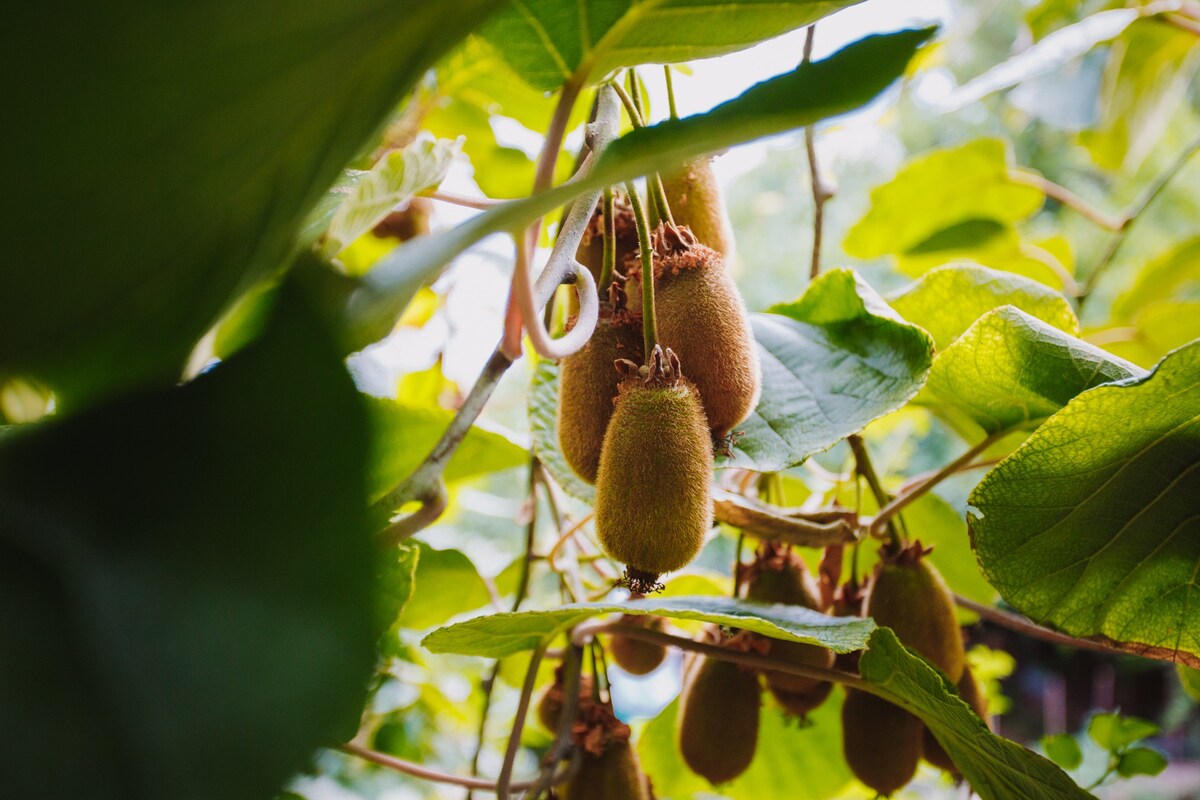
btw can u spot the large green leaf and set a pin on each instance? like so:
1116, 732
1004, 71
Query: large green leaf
549, 42
1091, 526
947, 300
953, 199
846, 80
187, 142
1012, 370
1173, 275
832, 361
187, 580
996, 768
447, 584
501, 635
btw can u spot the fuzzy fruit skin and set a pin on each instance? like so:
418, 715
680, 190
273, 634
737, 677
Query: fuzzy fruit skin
718, 719
968, 689
615, 774
550, 706
801, 704
702, 317
913, 600
653, 500
791, 586
587, 386
633, 655
696, 201
881, 741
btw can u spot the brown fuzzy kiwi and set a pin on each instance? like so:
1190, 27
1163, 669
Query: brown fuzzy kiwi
588, 383
908, 595
801, 704
613, 774
970, 691
634, 655
406, 223
591, 247
701, 316
779, 576
550, 706
653, 499
696, 201
718, 719
881, 741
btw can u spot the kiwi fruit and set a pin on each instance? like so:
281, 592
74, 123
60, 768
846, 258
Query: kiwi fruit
779, 576
634, 655
588, 383
701, 317
613, 774
406, 223
718, 719
881, 741
591, 247
801, 704
970, 691
653, 499
696, 201
908, 595
550, 706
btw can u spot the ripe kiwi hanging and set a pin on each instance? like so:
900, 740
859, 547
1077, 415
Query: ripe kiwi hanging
696, 201
634, 655
880, 741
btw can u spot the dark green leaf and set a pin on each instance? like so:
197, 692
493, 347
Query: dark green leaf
186, 145
549, 42
188, 579
844, 81
1091, 525
1010, 369
1062, 749
832, 361
501, 635
1141, 761
996, 768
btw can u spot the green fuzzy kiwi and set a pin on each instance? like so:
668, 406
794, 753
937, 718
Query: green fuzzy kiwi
718, 719
588, 383
909, 596
970, 691
880, 741
614, 774
653, 499
779, 576
634, 655
696, 201
591, 247
701, 316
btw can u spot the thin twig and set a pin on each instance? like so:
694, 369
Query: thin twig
423, 772
504, 782
1133, 215
1067, 198
466, 201
563, 737
1016, 622
901, 501
864, 467
821, 192
649, 324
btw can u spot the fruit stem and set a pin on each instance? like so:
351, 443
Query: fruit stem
670, 91
821, 191
421, 771
610, 245
645, 248
504, 781
862, 462
654, 186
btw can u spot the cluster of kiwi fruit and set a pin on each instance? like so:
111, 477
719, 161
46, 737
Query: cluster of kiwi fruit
641, 425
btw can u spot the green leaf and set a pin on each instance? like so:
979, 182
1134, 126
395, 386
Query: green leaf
1090, 526
996, 768
549, 42
788, 756
543, 420
1114, 732
1062, 749
843, 82
187, 577
1159, 328
832, 361
1173, 275
962, 194
397, 575
1189, 679
947, 300
207, 141
392, 181
1141, 761
1149, 69
1010, 370
404, 434
500, 635
447, 584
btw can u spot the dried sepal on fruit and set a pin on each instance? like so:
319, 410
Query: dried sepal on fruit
701, 316
550, 706
880, 741
777, 575
718, 715
696, 201
653, 498
971, 693
588, 382
635, 656
908, 595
